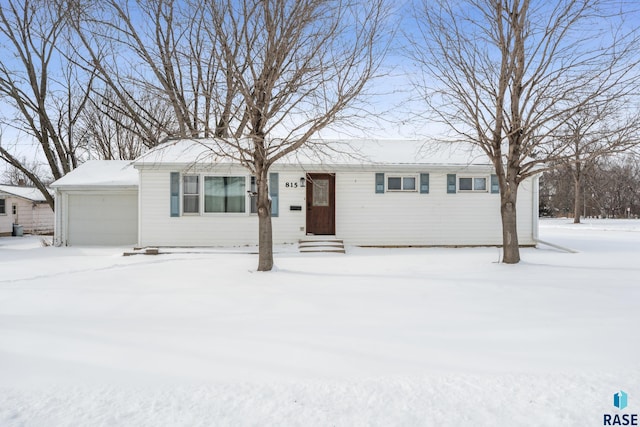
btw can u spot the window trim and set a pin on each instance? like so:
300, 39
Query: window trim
183, 195
473, 179
246, 196
402, 177
4, 206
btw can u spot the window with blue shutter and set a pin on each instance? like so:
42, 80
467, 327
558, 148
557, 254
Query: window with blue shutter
273, 193
379, 183
175, 194
451, 183
424, 183
495, 185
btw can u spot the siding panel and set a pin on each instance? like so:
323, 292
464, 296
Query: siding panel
158, 228
362, 216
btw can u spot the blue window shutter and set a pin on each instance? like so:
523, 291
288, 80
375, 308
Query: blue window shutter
424, 183
451, 183
175, 194
273, 193
495, 186
379, 183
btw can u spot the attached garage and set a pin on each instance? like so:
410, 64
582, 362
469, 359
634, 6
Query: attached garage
97, 205
102, 219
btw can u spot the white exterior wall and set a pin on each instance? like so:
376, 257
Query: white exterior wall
35, 218
6, 219
362, 216
42, 219
158, 228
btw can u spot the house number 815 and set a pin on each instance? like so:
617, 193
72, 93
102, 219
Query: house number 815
291, 185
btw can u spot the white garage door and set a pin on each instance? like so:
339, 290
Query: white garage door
103, 219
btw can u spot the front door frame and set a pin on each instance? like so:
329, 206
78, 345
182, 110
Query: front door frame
328, 225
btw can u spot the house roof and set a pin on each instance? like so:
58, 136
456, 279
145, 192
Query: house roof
326, 152
100, 173
29, 193
121, 173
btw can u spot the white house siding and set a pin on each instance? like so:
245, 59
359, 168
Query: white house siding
34, 217
364, 217
6, 219
42, 219
158, 228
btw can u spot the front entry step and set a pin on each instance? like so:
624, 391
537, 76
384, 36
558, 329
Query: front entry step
321, 246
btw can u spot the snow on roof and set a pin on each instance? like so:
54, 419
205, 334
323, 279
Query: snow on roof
29, 193
328, 152
104, 173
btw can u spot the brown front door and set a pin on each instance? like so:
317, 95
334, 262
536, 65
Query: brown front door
321, 206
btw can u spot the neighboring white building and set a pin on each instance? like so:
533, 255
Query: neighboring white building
24, 206
391, 194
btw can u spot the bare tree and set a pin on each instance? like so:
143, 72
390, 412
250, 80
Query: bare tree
42, 90
594, 131
108, 132
611, 188
169, 58
505, 74
262, 76
297, 66
15, 176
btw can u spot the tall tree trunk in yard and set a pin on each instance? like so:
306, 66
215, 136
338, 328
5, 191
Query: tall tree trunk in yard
509, 74
290, 68
265, 236
508, 182
510, 245
577, 183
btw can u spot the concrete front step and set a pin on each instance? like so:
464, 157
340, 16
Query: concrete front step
321, 246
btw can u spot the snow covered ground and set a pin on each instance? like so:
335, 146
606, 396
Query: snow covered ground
380, 337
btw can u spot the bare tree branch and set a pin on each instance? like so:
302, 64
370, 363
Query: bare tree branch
505, 75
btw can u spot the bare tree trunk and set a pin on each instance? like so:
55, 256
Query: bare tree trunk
514, 68
577, 202
28, 172
265, 236
510, 246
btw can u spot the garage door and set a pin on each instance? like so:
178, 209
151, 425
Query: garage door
103, 219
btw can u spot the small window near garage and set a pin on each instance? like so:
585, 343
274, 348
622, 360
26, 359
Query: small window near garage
478, 184
401, 183
3, 207
14, 209
191, 194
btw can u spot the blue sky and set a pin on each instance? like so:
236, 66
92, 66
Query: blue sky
392, 94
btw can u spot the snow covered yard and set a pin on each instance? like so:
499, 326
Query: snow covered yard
407, 337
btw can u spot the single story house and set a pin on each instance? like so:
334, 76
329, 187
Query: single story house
390, 193
24, 206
